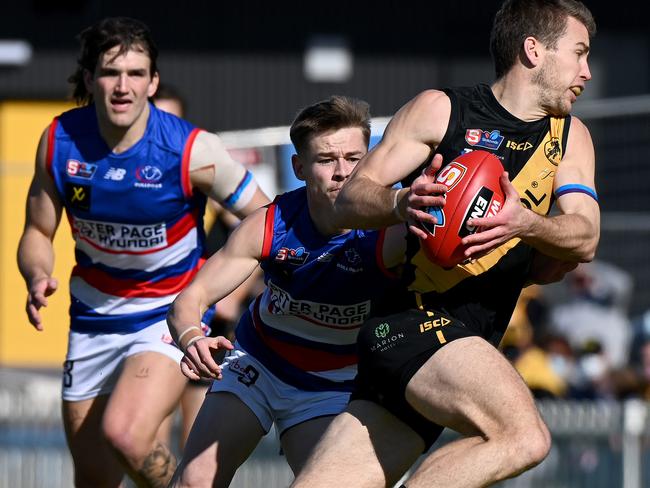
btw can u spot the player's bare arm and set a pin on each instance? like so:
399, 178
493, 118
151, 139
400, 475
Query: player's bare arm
35, 252
368, 200
215, 173
219, 276
570, 236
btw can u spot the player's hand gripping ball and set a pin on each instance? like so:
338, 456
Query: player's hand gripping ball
473, 190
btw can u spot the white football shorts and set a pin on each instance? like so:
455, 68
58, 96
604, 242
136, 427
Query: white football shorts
271, 399
94, 361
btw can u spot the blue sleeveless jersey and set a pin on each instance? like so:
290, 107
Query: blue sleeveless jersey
319, 291
137, 226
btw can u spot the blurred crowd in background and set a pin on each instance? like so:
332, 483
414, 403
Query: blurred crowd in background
576, 339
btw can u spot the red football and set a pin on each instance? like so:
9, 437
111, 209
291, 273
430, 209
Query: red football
473, 190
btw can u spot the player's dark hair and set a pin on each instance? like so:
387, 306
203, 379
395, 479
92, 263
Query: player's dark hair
337, 112
100, 37
545, 20
168, 92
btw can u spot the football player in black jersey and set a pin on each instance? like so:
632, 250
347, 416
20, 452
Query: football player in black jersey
433, 363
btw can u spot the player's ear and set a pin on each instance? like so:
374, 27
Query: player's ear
88, 80
531, 52
298, 166
153, 85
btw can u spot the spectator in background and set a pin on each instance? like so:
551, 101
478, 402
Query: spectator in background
644, 368
519, 334
578, 348
167, 98
640, 335
639, 364
541, 359
596, 312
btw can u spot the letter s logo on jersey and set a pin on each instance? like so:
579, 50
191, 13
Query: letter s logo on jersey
294, 256
483, 138
80, 169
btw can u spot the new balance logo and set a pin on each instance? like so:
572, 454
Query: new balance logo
115, 174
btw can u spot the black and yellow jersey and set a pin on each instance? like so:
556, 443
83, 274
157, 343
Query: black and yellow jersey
482, 293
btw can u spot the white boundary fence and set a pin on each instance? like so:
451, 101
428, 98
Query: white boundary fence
595, 444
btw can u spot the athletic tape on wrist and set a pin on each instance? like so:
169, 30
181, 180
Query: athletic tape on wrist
192, 341
396, 205
180, 337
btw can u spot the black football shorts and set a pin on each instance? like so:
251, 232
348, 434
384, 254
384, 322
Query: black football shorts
392, 349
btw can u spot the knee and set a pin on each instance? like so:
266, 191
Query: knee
124, 439
530, 445
541, 444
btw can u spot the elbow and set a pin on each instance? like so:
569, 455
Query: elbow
587, 251
588, 256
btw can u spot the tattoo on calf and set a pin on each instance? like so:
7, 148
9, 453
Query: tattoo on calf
158, 466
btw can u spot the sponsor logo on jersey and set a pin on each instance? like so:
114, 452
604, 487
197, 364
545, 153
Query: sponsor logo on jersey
115, 174
352, 256
451, 175
483, 205
148, 176
293, 256
338, 316
518, 146
116, 236
553, 150
78, 196
482, 138
79, 169
354, 262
